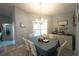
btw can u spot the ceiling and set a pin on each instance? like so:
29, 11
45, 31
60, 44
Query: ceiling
47, 9
6, 9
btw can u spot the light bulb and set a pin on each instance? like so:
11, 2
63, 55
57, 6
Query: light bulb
41, 19
36, 20
45, 20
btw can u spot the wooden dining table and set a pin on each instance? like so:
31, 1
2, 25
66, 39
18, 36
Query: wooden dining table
46, 49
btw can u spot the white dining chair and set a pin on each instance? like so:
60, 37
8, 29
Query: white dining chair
60, 49
26, 44
30, 47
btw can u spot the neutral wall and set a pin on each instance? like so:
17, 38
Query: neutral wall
77, 39
22, 17
63, 17
77, 34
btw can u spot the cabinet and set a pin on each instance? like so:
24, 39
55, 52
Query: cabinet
62, 26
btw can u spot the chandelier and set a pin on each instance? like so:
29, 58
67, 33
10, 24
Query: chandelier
41, 20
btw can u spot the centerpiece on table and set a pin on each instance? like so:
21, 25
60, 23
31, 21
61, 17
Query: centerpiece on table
43, 38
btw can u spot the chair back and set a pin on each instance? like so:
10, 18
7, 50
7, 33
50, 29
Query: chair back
61, 47
30, 47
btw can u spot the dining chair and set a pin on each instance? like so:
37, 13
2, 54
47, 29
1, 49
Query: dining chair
26, 44
60, 49
30, 47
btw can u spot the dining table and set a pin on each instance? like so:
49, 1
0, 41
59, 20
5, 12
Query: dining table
46, 48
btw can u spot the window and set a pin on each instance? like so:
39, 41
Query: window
39, 27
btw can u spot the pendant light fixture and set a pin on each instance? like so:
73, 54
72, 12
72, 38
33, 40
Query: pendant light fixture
41, 20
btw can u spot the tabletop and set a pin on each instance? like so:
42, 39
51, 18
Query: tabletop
44, 48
